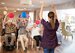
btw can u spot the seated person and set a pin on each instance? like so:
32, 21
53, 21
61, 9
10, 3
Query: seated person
10, 29
22, 33
35, 34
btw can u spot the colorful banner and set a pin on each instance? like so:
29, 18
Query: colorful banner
25, 1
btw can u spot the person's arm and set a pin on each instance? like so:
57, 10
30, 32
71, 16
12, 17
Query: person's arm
53, 8
29, 28
41, 12
43, 22
57, 25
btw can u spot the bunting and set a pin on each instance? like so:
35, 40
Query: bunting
25, 1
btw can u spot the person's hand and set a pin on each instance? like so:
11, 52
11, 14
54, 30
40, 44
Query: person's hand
53, 8
42, 3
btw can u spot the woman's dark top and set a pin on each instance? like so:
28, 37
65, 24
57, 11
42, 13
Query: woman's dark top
49, 39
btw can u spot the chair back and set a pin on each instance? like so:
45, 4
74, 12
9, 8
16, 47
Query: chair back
64, 32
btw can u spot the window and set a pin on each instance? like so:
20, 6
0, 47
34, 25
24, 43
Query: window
68, 16
31, 19
45, 15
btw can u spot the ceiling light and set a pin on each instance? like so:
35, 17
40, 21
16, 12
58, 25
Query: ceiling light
2, 3
25, 8
14, 10
5, 12
18, 9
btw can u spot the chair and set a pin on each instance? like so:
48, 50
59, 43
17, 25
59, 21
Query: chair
31, 42
22, 38
64, 32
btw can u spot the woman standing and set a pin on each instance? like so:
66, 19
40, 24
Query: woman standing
49, 39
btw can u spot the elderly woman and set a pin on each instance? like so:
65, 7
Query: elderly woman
22, 33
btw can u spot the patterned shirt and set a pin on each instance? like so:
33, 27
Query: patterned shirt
22, 27
49, 38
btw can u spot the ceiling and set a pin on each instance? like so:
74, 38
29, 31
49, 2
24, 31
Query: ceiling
16, 4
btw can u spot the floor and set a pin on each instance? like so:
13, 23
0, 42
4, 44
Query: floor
67, 46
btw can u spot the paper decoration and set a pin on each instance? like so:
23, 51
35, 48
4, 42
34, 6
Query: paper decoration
23, 15
26, 1
10, 15
37, 21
